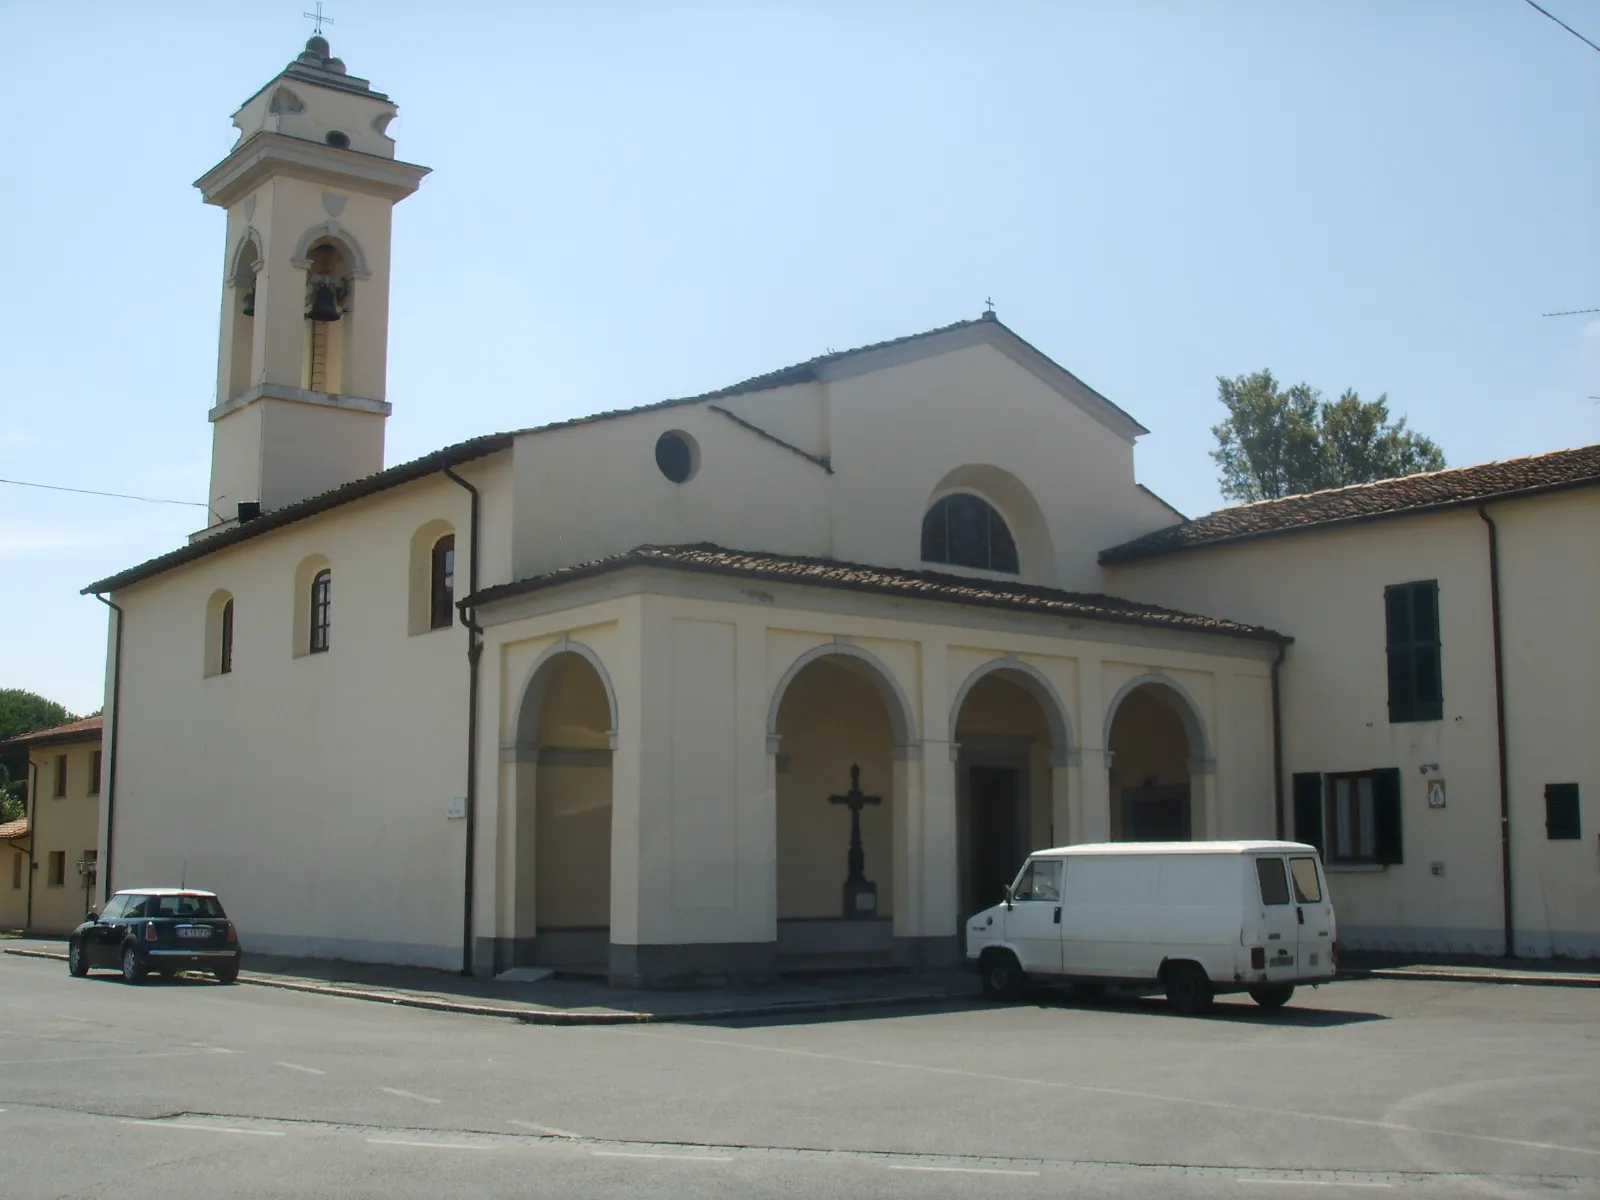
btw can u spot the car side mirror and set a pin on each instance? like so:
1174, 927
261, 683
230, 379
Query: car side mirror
92, 917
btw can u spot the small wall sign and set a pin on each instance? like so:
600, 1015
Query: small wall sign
1435, 793
455, 808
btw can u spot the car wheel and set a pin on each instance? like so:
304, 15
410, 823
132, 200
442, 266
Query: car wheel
1189, 988
77, 959
227, 974
1272, 995
1002, 976
133, 971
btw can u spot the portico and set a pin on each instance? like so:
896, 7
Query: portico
700, 714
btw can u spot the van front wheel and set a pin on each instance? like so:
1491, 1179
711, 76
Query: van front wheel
1272, 995
1189, 988
1002, 976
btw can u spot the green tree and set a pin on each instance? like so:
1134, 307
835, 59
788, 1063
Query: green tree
1278, 441
22, 712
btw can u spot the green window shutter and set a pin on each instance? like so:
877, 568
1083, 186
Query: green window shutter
1386, 815
1411, 625
1562, 818
1308, 808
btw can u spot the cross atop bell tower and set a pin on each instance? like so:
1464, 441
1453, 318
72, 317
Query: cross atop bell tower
309, 189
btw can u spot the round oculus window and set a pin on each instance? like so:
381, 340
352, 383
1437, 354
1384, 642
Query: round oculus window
676, 455
340, 141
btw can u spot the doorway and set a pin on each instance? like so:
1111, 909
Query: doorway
996, 834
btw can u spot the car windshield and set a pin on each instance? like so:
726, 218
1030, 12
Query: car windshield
182, 906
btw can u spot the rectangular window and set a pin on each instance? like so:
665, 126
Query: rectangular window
1307, 888
1562, 820
1040, 880
58, 868
61, 776
1274, 884
19, 864
1416, 690
1361, 811
94, 774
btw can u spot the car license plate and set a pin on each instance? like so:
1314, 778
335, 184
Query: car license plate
193, 931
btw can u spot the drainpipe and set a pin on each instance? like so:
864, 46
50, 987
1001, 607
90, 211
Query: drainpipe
1277, 738
33, 838
1500, 728
115, 717
474, 653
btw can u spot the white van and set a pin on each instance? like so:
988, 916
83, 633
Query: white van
1195, 918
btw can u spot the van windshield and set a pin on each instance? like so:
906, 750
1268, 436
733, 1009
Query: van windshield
1307, 888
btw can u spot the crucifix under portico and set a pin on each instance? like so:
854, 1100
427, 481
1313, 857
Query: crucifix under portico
860, 893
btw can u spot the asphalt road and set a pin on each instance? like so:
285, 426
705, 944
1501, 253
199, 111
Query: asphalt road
191, 1089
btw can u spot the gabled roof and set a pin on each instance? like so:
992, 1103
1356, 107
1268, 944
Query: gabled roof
885, 581
840, 364
86, 730
1427, 492
837, 364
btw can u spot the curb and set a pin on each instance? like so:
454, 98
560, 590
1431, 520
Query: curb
1446, 975
542, 1016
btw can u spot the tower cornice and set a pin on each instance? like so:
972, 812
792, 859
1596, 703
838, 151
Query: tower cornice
265, 155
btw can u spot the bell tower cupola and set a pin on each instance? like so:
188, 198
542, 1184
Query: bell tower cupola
309, 189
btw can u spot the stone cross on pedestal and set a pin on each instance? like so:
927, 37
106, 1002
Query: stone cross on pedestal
860, 894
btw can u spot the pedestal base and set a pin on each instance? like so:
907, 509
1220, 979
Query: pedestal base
860, 900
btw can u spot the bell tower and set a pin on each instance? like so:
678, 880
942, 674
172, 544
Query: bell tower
309, 189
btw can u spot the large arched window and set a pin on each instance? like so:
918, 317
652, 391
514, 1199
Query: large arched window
321, 610
965, 531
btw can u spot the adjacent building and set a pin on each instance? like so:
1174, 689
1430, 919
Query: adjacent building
49, 858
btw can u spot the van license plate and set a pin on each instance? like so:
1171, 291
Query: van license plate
191, 931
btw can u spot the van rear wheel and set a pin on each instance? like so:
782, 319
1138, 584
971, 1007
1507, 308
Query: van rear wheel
1272, 995
1002, 976
1188, 987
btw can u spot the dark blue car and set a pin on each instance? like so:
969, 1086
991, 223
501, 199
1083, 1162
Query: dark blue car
157, 929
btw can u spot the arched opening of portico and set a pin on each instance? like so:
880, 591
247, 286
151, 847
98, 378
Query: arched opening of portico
1156, 744
565, 728
837, 721
1011, 738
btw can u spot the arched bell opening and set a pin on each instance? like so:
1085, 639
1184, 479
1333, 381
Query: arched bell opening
242, 285
565, 727
328, 286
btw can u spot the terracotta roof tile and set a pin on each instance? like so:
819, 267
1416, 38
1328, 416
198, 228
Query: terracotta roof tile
81, 730
14, 829
1457, 486
888, 581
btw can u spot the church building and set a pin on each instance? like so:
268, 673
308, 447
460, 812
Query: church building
795, 672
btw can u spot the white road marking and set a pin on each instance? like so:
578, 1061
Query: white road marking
676, 1157
1123, 1093
963, 1170
537, 1128
297, 1067
204, 1128
426, 1145
410, 1095
1313, 1183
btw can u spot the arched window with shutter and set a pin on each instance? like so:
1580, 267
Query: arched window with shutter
321, 610
964, 530
442, 582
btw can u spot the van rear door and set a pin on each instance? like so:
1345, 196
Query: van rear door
1315, 914
1280, 921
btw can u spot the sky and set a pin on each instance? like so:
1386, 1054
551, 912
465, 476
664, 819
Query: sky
634, 201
